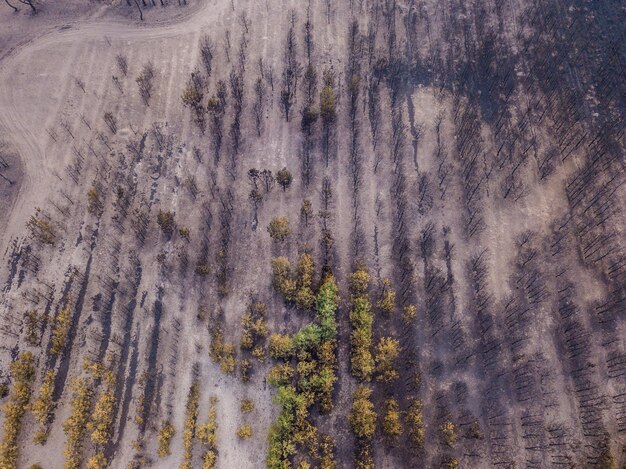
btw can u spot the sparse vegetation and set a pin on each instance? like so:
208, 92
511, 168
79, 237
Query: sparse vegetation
191, 418
23, 372
75, 427
43, 407
362, 320
166, 433
207, 434
387, 351
62, 324
175, 199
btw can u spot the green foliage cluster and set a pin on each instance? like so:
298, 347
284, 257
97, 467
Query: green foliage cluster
279, 229
361, 320
391, 424
75, 427
314, 349
222, 352
207, 434
387, 350
43, 407
387, 301
254, 325
164, 438
296, 289
23, 372
189, 430
415, 423
101, 423
33, 329
165, 220
62, 324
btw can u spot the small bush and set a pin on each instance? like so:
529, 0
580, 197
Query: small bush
279, 229
247, 406
165, 221
362, 416
164, 438
244, 432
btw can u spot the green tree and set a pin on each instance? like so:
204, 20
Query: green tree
328, 109
362, 416
284, 178
279, 228
281, 346
415, 422
387, 350
165, 220
164, 438
281, 278
392, 427
306, 211
387, 301
23, 372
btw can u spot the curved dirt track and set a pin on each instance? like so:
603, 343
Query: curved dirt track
32, 142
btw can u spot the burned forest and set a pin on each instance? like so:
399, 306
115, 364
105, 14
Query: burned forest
312, 234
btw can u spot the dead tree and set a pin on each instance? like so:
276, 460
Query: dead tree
139, 8
236, 87
30, 4
291, 72
15, 9
258, 107
144, 81
216, 108
111, 122
207, 48
122, 64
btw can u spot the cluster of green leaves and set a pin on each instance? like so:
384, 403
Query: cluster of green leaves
362, 419
279, 229
254, 325
222, 352
387, 351
43, 407
415, 423
207, 434
75, 427
101, 423
189, 430
361, 320
23, 372
164, 437
165, 220
311, 381
296, 288
387, 300
33, 329
62, 324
